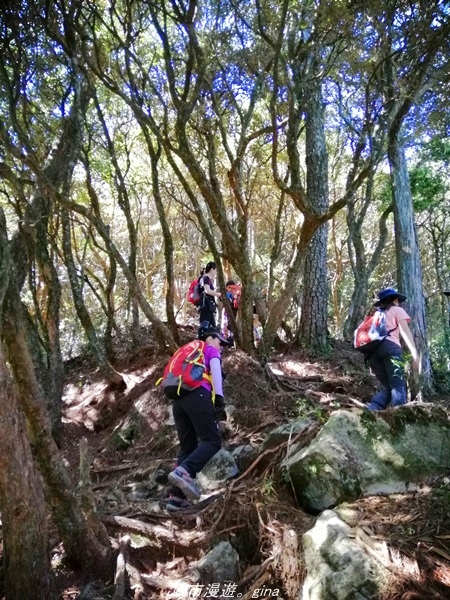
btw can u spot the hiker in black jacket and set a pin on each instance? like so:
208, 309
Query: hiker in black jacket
207, 309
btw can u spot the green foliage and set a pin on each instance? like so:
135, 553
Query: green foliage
438, 150
268, 491
383, 189
305, 409
427, 187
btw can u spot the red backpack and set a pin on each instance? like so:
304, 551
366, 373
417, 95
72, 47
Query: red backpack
195, 291
235, 293
185, 371
371, 332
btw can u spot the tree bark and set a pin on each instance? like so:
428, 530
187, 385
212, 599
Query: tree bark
94, 343
362, 266
313, 323
80, 543
155, 155
409, 268
27, 566
24, 520
125, 205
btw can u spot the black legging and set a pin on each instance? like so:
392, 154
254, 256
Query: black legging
197, 429
207, 313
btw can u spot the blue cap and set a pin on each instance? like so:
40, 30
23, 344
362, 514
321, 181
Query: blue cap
387, 293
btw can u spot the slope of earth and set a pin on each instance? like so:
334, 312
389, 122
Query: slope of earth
133, 445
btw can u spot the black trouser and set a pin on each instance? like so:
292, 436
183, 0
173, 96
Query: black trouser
197, 429
207, 313
386, 363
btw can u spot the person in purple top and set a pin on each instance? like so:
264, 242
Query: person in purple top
196, 418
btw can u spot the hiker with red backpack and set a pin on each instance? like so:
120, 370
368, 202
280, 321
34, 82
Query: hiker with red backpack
193, 380
207, 306
382, 347
233, 292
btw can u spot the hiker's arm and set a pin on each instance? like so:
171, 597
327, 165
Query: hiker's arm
407, 337
211, 292
216, 373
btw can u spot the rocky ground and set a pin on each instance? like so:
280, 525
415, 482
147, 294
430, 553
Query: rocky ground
133, 445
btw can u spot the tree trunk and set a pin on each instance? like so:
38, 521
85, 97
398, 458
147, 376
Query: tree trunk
409, 269
94, 343
24, 520
80, 543
313, 322
47, 300
167, 237
362, 266
162, 333
125, 205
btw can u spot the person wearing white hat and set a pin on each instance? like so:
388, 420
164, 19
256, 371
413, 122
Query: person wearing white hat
386, 361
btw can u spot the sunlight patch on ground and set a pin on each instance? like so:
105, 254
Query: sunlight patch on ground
299, 368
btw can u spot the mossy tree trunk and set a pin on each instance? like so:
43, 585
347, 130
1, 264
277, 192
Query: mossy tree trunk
80, 542
24, 518
27, 566
95, 344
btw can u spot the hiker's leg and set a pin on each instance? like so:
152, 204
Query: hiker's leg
185, 430
380, 401
394, 369
382, 398
206, 318
201, 413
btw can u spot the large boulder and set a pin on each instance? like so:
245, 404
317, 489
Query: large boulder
362, 453
219, 469
284, 433
337, 566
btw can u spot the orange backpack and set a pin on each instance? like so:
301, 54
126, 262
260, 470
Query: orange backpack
185, 371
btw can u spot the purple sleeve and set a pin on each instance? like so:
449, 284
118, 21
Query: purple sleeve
213, 365
216, 374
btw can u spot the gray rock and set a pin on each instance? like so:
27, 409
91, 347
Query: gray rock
141, 491
244, 456
220, 564
221, 467
93, 591
284, 432
361, 453
337, 566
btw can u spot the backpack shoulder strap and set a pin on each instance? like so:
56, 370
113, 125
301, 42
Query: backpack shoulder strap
385, 311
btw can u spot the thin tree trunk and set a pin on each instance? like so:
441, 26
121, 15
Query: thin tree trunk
362, 266
125, 205
47, 306
94, 343
163, 334
155, 155
409, 269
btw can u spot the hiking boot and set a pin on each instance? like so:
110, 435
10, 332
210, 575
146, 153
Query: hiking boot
175, 504
181, 479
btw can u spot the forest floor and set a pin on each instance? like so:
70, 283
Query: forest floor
132, 447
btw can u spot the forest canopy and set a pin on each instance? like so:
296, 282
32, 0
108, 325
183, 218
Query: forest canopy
282, 140
301, 146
